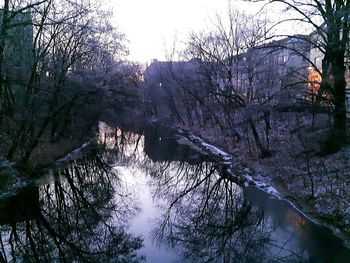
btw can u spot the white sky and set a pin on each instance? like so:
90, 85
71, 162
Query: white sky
151, 25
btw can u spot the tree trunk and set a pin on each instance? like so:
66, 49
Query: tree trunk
263, 150
339, 99
4, 103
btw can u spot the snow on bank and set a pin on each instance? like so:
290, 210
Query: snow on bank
186, 142
245, 176
214, 150
14, 182
76, 152
238, 173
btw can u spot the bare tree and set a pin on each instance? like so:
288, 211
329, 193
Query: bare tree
330, 21
231, 68
67, 38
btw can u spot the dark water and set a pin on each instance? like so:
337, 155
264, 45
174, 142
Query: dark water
138, 195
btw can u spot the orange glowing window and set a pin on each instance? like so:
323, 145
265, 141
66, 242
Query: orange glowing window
314, 81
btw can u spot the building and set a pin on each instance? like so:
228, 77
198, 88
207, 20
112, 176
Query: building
282, 71
276, 69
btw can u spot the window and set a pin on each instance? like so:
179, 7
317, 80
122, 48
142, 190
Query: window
318, 62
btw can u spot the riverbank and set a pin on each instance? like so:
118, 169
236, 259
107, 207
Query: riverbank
16, 176
315, 184
284, 174
297, 169
153, 174
48, 152
274, 186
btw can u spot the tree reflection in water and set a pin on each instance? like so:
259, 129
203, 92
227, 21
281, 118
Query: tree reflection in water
205, 214
82, 217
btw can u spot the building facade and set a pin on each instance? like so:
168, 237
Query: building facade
283, 71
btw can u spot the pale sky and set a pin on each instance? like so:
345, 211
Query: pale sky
151, 25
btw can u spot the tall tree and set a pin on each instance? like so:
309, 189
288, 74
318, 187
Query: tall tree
330, 20
231, 67
65, 38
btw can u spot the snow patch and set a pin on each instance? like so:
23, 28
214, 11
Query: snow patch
185, 141
76, 152
215, 150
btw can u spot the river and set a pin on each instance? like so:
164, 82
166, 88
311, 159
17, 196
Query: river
136, 194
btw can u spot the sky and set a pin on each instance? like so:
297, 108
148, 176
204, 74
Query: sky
152, 26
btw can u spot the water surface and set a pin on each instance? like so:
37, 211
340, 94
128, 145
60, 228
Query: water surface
137, 195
